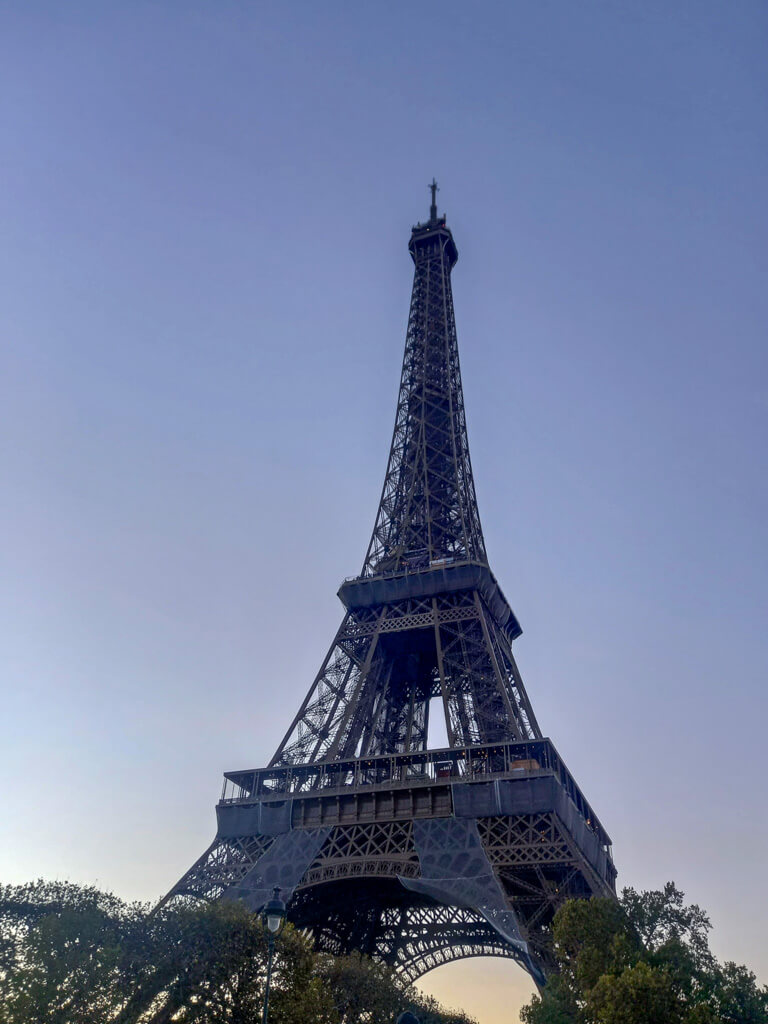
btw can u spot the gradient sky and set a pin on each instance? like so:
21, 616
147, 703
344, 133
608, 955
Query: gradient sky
205, 209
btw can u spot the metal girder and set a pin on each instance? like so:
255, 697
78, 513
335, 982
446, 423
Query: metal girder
388, 661
224, 864
428, 507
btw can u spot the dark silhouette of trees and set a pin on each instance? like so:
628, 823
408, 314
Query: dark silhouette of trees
74, 955
642, 960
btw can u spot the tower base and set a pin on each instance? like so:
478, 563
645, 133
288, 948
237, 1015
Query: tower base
414, 859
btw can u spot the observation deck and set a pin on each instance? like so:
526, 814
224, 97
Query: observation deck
424, 237
502, 779
439, 577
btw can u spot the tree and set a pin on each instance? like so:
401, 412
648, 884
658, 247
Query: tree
367, 992
644, 959
63, 951
639, 995
735, 997
362, 990
74, 955
590, 938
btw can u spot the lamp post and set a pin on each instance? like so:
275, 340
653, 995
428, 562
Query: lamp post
273, 919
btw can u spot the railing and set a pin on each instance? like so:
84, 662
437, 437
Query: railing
414, 565
423, 768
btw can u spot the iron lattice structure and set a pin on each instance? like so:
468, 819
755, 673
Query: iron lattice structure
412, 855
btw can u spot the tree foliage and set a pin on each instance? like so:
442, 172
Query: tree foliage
74, 955
642, 960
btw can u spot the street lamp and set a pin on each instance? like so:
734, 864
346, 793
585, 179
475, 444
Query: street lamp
273, 919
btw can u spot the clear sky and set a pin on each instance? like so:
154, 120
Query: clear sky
204, 286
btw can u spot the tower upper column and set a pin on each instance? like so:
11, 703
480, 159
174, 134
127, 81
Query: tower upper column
428, 511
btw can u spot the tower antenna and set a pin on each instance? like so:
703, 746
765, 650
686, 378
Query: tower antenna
433, 208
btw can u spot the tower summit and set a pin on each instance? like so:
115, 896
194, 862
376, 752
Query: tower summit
433, 208
409, 854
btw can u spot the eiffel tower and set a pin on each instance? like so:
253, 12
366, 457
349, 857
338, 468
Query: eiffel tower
416, 856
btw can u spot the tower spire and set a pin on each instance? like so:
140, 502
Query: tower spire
428, 509
433, 208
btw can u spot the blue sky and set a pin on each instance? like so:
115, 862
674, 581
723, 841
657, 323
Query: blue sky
204, 286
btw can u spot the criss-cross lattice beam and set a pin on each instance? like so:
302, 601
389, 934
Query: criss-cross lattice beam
371, 698
224, 864
417, 939
428, 507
